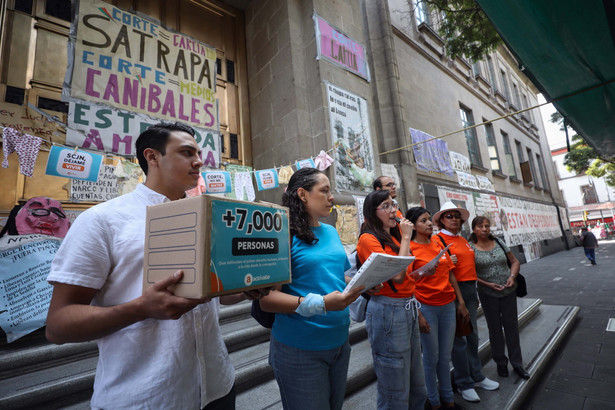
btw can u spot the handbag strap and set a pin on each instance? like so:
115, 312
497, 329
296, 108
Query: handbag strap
444, 243
497, 240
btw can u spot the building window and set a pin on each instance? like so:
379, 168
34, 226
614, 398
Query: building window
476, 68
515, 95
541, 171
467, 120
510, 161
58, 8
505, 85
588, 193
422, 13
492, 79
494, 158
530, 158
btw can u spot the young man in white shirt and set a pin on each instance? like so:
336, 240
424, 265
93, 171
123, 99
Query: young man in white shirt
146, 360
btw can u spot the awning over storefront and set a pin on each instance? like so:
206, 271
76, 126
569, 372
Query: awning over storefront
567, 49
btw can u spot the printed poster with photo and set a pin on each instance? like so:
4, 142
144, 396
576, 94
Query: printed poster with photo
354, 155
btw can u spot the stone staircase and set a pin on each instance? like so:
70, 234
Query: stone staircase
36, 374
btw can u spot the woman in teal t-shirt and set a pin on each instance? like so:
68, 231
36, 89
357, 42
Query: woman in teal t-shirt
309, 349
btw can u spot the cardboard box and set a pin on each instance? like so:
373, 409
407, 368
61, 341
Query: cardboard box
223, 246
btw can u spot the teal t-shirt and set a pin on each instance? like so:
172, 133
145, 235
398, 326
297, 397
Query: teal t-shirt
316, 269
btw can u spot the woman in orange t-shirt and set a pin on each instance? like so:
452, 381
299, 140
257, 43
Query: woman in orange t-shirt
436, 293
392, 314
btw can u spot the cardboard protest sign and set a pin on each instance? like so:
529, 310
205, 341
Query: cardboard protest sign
76, 164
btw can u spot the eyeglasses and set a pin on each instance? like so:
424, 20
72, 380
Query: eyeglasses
388, 207
452, 216
45, 212
390, 184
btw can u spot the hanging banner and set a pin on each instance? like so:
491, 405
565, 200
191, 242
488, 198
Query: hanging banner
99, 127
104, 189
266, 179
217, 182
466, 180
28, 121
25, 293
460, 162
487, 205
305, 163
130, 62
354, 156
241, 182
526, 222
431, 154
71, 163
484, 183
339, 49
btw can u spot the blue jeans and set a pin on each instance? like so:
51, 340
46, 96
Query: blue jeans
437, 347
591, 254
465, 349
393, 333
310, 379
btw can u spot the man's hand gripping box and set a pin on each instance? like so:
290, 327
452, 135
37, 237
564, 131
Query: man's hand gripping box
223, 246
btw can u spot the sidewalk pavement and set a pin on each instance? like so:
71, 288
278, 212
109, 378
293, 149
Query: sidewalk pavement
582, 375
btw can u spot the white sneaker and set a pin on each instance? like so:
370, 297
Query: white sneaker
470, 395
487, 384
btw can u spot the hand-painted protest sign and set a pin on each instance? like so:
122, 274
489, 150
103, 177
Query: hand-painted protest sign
526, 222
354, 156
487, 205
70, 163
266, 179
217, 182
24, 291
20, 118
430, 154
99, 127
132, 63
460, 162
467, 180
484, 183
336, 47
104, 189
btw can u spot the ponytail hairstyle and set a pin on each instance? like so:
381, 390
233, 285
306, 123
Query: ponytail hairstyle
475, 222
413, 215
299, 218
373, 224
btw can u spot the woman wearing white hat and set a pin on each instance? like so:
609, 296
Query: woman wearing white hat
467, 373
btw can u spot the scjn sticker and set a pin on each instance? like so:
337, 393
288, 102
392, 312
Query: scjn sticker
260, 220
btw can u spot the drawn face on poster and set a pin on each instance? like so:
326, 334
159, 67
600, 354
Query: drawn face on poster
42, 215
354, 157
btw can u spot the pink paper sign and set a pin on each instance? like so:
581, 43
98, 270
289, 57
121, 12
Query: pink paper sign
340, 49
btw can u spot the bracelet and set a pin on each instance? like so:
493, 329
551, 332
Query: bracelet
298, 300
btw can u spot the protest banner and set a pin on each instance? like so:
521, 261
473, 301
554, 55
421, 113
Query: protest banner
526, 222
338, 48
22, 119
72, 163
487, 205
99, 127
24, 291
131, 62
354, 156
104, 189
431, 154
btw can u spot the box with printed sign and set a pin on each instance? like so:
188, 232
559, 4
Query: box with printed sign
223, 245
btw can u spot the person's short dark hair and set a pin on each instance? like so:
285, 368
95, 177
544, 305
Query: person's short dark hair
156, 137
413, 215
378, 183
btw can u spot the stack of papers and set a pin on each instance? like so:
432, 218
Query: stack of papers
377, 269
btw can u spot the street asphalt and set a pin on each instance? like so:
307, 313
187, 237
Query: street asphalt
582, 373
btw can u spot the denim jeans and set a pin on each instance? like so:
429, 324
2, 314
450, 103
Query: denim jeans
437, 347
590, 253
393, 332
465, 349
310, 379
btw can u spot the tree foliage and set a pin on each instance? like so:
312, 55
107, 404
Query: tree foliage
465, 29
583, 159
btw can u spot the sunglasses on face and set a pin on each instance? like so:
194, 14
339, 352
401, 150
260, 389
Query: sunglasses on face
46, 212
388, 207
452, 216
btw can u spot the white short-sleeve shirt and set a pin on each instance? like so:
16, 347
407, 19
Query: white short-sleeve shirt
153, 363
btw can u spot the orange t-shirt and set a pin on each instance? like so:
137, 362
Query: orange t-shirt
369, 244
465, 268
434, 290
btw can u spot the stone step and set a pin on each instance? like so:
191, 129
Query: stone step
542, 329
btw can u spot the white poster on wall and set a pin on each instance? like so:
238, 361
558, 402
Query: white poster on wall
354, 155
